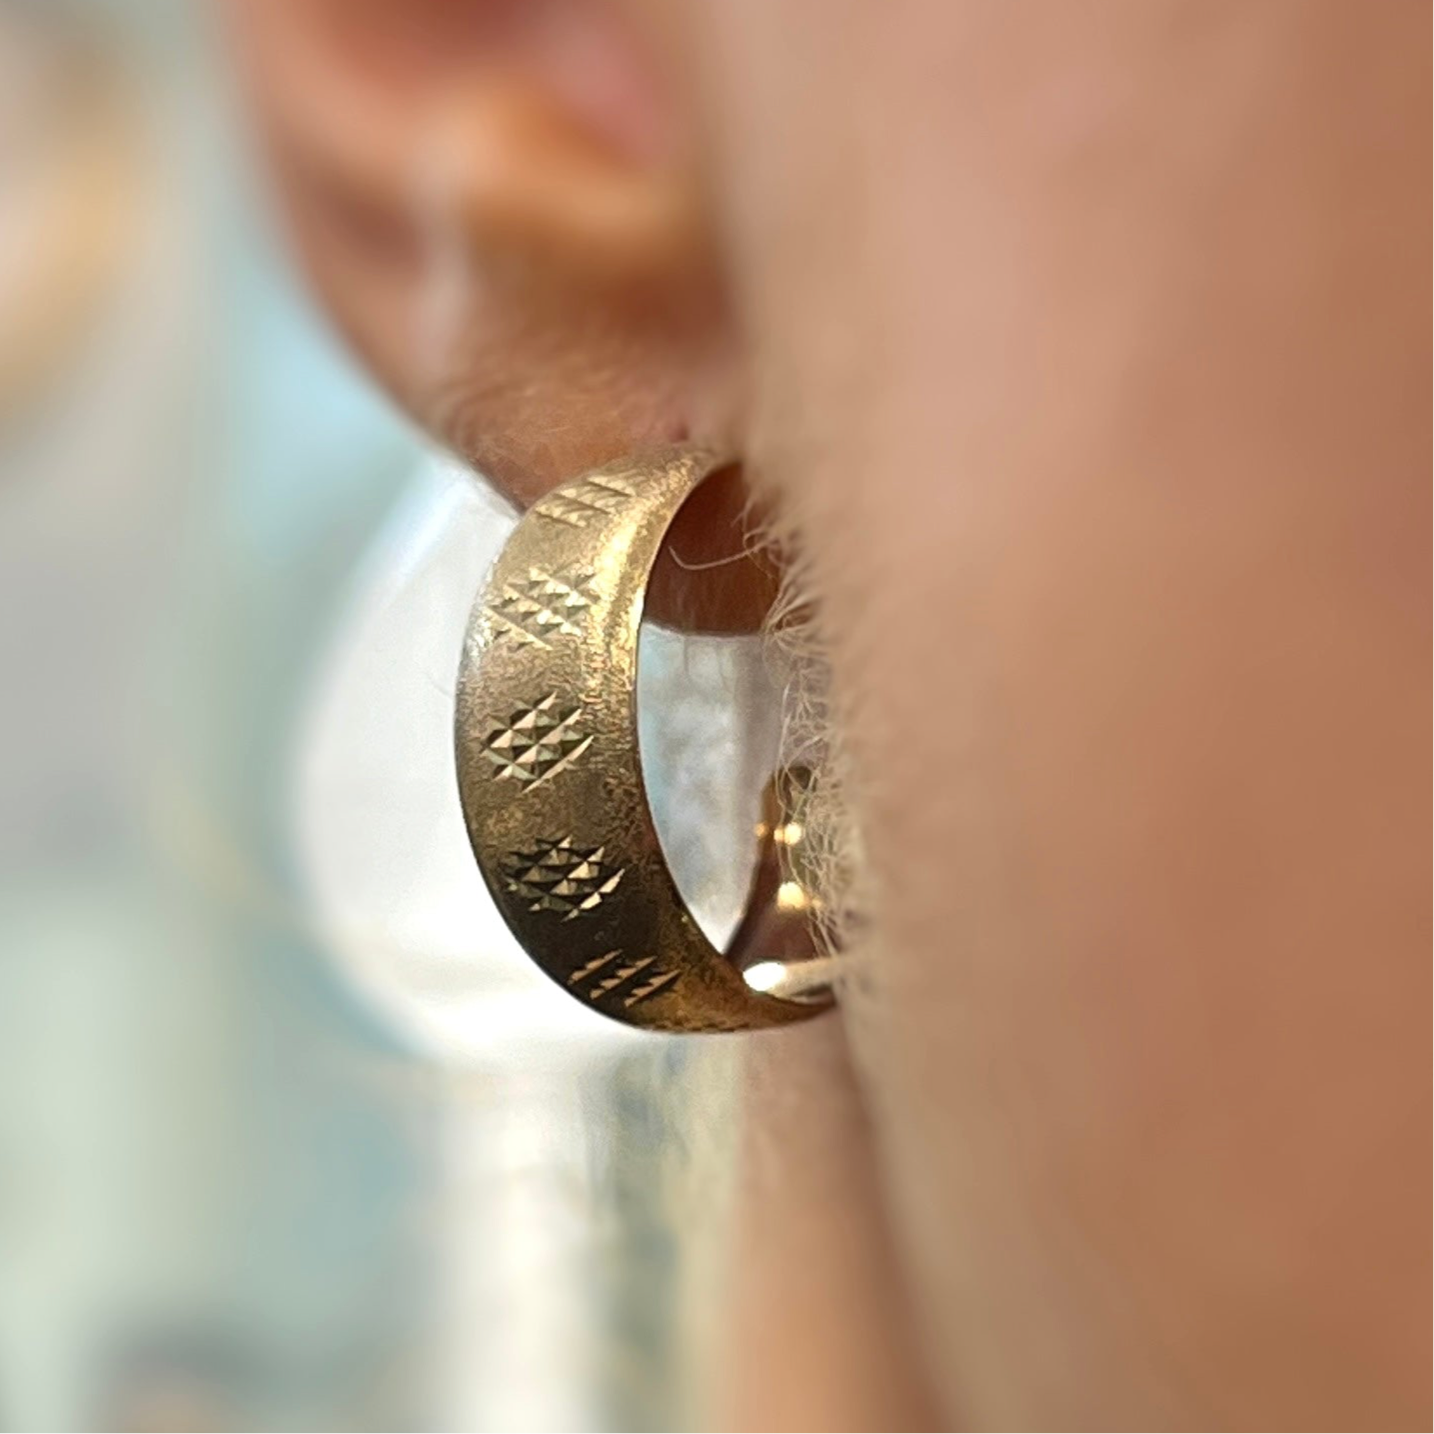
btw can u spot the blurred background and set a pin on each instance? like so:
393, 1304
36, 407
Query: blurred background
291, 1135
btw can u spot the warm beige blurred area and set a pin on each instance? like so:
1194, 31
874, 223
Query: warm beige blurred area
74, 174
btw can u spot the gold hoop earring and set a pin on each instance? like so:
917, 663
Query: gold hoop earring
551, 781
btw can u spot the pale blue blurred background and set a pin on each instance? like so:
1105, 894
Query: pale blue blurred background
213, 1160
291, 1135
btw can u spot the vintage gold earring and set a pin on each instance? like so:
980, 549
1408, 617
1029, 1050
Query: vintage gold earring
552, 787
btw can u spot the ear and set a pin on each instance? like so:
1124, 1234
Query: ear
496, 198
498, 201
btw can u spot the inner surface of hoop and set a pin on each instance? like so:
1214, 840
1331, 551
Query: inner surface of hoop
708, 721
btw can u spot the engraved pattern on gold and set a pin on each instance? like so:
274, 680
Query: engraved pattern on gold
534, 608
560, 876
656, 980
578, 504
615, 974
591, 968
537, 742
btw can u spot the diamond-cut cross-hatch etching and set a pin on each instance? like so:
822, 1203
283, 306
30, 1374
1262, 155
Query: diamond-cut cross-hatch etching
538, 742
582, 503
609, 972
533, 609
560, 876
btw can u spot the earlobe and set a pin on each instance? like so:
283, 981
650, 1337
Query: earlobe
504, 216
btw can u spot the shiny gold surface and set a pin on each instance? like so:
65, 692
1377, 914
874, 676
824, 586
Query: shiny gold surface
551, 784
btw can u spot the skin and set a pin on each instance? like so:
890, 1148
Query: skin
1084, 350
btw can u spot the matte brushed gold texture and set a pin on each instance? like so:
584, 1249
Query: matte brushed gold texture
551, 782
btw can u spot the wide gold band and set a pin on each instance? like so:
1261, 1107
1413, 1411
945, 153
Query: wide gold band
550, 778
